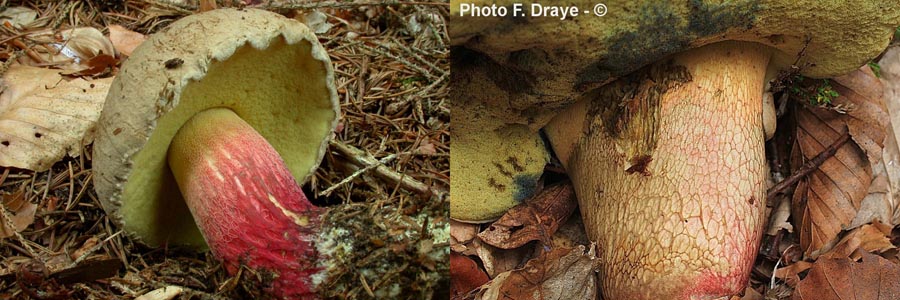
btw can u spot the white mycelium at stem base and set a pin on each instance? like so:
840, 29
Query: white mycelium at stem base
671, 183
245, 201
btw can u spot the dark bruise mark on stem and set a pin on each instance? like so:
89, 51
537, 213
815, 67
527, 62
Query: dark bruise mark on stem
628, 111
811, 165
639, 165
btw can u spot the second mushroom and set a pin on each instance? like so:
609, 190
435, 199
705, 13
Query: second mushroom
656, 112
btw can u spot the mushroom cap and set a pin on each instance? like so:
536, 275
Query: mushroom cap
493, 170
268, 69
543, 63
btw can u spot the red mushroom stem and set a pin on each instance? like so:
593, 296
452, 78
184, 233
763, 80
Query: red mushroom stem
245, 201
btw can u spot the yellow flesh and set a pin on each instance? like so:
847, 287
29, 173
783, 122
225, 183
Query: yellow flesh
279, 91
691, 227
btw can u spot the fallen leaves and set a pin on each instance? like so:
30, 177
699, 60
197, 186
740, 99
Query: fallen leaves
845, 212
534, 251
466, 275
316, 21
827, 200
43, 116
872, 278
68, 49
536, 219
19, 17
869, 238
563, 273
461, 236
890, 77
124, 40
19, 214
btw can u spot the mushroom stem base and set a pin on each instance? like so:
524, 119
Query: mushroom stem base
245, 201
671, 182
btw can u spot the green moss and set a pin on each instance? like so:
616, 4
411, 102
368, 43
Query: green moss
876, 68
814, 91
410, 80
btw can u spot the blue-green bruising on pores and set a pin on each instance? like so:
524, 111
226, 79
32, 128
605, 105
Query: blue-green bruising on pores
526, 185
662, 31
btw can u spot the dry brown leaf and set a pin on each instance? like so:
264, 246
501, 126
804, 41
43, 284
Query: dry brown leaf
465, 275
316, 21
97, 66
778, 219
462, 234
18, 17
43, 117
873, 278
868, 238
207, 5
497, 261
20, 212
877, 205
536, 219
827, 200
124, 40
571, 234
68, 49
791, 274
890, 78
87, 247
559, 274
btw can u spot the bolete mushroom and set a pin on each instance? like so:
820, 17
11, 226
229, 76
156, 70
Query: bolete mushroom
668, 162
208, 129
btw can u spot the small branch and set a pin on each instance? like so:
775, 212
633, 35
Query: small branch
403, 61
368, 162
811, 165
381, 162
93, 249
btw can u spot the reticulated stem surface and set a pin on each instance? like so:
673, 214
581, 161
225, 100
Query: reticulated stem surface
672, 183
245, 201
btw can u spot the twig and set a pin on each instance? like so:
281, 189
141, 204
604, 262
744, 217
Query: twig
365, 160
182, 9
809, 166
403, 61
33, 55
4, 175
421, 93
381, 162
93, 249
414, 55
